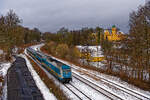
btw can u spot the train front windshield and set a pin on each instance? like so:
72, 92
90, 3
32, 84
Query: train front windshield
66, 71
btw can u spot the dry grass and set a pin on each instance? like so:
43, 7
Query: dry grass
55, 89
1, 87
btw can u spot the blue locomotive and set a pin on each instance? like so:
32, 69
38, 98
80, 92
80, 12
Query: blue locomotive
58, 69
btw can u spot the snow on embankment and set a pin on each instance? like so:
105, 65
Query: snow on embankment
40, 84
37, 47
3, 71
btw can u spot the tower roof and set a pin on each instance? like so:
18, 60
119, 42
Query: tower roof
113, 26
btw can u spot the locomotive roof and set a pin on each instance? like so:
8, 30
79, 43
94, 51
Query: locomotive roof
56, 61
41, 54
31, 49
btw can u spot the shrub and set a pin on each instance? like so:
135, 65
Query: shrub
73, 54
76, 52
62, 50
50, 47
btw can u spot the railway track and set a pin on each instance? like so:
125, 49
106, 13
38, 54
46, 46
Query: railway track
106, 92
124, 89
99, 89
79, 94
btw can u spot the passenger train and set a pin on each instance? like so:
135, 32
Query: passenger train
61, 71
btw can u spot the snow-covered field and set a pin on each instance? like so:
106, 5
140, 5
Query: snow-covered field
116, 80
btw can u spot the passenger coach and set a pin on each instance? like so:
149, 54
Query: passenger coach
57, 68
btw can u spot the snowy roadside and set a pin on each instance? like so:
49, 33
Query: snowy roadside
3, 71
40, 84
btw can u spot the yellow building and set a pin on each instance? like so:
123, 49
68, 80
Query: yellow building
114, 35
110, 36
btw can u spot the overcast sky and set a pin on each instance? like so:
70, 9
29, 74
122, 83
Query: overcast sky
51, 15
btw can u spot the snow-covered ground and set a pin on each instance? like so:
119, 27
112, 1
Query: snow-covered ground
40, 84
37, 47
108, 77
95, 51
3, 71
3, 68
94, 95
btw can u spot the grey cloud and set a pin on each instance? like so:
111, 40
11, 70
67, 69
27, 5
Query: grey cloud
50, 15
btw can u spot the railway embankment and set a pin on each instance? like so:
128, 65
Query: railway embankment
20, 83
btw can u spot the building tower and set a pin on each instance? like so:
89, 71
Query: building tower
114, 30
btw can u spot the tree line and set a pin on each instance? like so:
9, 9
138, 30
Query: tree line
84, 36
13, 34
63, 43
132, 54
